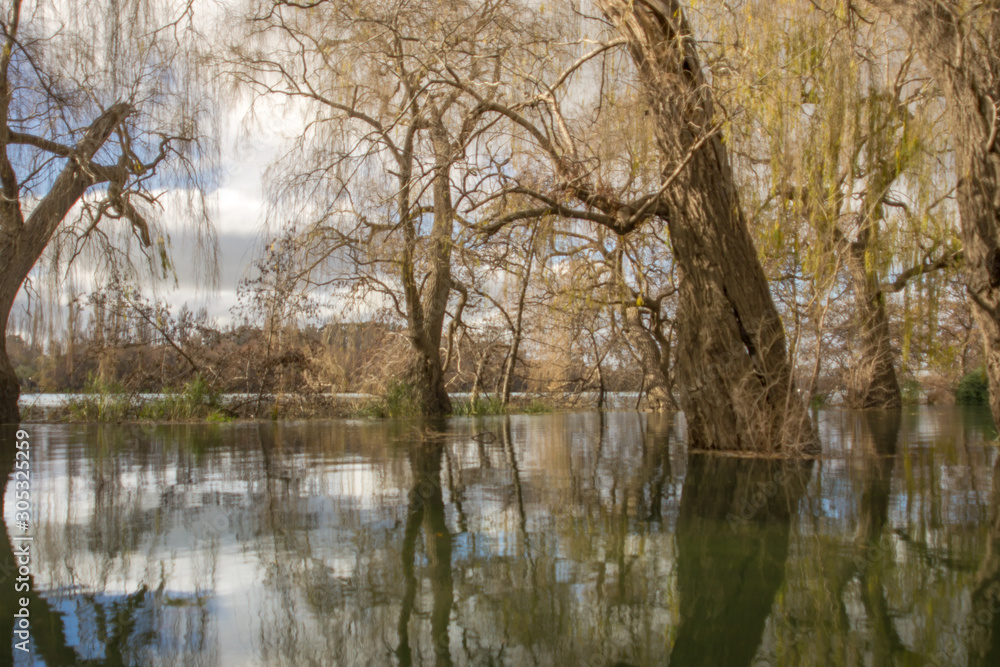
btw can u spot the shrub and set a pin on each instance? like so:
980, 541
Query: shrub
973, 388
400, 399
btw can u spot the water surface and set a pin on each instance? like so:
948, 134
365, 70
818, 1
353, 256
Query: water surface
567, 539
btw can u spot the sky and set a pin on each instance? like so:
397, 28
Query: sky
238, 204
238, 213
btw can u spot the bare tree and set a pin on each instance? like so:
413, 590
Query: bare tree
94, 108
383, 174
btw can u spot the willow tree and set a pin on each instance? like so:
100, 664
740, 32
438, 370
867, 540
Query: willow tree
380, 179
960, 45
735, 378
97, 109
839, 154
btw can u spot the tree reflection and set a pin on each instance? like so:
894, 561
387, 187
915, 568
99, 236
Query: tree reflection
46, 625
74, 619
561, 539
876, 436
426, 506
984, 623
732, 543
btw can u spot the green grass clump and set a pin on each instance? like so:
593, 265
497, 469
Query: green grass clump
400, 399
195, 401
536, 407
101, 402
491, 405
110, 402
973, 389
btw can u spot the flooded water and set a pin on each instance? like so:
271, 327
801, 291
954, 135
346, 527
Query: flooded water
567, 539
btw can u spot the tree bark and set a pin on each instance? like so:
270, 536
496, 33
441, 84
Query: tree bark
872, 384
964, 60
427, 372
10, 388
426, 308
733, 370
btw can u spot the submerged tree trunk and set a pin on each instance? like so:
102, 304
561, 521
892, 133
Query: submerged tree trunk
733, 370
959, 45
872, 384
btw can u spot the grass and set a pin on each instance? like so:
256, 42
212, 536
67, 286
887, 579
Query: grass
195, 401
491, 405
536, 407
101, 402
400, 399
110, 402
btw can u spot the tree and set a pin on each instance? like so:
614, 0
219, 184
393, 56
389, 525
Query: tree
839, 152
960, 45
736, 383
92, 114
382, 174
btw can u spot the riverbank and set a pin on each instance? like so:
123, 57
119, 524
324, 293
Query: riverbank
195, 403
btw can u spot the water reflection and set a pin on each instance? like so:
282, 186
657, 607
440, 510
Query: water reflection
426, 508
732, 543
983, 626
590, 539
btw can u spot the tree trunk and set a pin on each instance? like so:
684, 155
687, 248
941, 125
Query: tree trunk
23, 241
733, 371
426, 308
10, 388
872, 384
429, 372
517, 333
964, 61
653, 359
